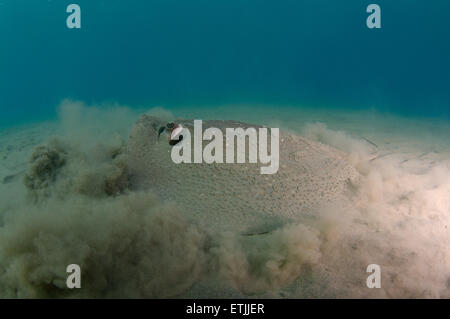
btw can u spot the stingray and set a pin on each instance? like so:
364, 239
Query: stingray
237, 197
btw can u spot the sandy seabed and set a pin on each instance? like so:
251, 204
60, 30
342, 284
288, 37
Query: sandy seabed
64, 199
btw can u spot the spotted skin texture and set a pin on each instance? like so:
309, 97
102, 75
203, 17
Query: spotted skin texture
237, 197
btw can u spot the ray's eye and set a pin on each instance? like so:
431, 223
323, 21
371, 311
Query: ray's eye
170, 125
175, 142
175, 135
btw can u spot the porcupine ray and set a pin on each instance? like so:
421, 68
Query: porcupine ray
237, 197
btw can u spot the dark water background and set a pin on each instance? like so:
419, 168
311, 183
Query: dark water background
316, 53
